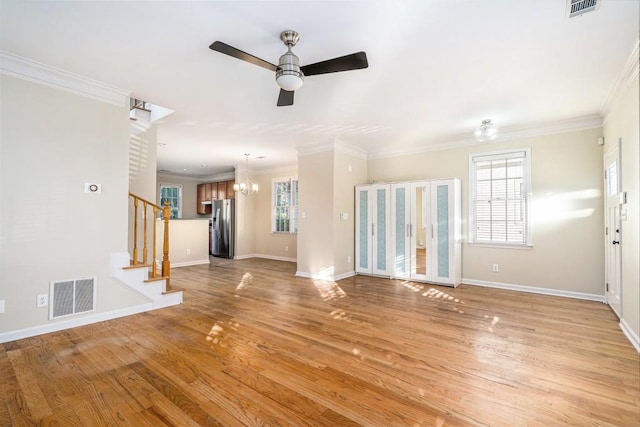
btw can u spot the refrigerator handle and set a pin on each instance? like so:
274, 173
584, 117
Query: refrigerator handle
217, 222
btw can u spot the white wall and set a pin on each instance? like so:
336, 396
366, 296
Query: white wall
315, 234
349, 170
567, 214
52, 142
623, 122
267, 244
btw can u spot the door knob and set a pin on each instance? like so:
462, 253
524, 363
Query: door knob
616, 242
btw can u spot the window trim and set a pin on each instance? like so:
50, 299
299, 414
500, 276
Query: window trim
180, 196
526, 175
292, 206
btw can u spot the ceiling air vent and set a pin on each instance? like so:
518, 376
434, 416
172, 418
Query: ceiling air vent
578, 7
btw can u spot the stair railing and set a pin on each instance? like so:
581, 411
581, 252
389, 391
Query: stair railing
166, 214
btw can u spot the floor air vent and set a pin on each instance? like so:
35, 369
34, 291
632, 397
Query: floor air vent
72, 297
578, 7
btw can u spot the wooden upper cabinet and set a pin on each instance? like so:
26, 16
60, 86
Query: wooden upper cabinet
222, 190
231, 194
200, 208
213, 190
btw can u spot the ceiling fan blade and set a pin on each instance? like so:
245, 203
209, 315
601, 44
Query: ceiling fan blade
285, 98
237, 53
355, 61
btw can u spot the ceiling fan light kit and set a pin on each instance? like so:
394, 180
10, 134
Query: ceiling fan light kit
289, 74
487, 131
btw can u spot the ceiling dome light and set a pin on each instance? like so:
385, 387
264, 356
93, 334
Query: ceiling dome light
487, 131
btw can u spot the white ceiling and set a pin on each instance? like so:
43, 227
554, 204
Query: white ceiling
436, 69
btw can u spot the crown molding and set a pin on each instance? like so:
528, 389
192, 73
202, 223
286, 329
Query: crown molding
506, 134
46, 75
335, 145
627, 76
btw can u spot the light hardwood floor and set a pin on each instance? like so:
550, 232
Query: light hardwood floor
253, 345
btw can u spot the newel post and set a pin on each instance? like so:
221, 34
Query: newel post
166, 214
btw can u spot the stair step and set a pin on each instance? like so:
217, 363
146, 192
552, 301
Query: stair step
156, 279
172, 291
129, 267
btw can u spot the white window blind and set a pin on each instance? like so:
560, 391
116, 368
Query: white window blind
285, 206
499, 198
173, 194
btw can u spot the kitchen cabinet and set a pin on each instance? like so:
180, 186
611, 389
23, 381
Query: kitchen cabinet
201, 208
231, 194
213, 190
413, 230
372, 229
222, 190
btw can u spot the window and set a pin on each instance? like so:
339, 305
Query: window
499, 198
173, 194
285, 206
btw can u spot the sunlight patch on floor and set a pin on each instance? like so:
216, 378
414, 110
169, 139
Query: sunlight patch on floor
329, 290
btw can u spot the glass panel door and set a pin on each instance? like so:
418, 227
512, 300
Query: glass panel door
442, 226
362, 248
400, 237
420, 231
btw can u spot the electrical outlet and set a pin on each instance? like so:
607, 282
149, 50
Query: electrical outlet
1, 306
496, 268
43, 300
348, 259
286, 248
188, 251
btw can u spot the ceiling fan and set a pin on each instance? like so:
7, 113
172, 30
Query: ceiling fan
289, 74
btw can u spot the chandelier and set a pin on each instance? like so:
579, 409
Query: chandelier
245, 186
487, 131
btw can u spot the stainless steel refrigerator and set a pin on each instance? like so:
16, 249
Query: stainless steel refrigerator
222, 228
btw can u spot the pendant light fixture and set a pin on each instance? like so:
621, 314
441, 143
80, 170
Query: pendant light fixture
487, 131
246, 187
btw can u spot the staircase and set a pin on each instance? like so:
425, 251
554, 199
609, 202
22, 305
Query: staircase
137, 278
142, 275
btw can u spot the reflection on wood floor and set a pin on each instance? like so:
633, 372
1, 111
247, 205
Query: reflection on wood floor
254, 345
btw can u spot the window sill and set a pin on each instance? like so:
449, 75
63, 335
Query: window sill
282, 233
501, 246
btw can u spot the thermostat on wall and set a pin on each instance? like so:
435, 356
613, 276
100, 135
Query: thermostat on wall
92, 188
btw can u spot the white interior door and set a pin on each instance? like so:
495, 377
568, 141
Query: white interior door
401, 229
363, 233
613, 261
421, 231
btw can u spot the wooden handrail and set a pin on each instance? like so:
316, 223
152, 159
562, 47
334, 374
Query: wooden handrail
166, 215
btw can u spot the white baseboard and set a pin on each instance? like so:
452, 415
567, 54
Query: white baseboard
535, 290
72, 323
188, 263
325, 277
273, 257
631, 336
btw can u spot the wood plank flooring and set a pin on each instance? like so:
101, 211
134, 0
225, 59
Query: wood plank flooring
253, 345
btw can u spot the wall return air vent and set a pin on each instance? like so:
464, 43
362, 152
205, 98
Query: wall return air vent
70, 297
578, 7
